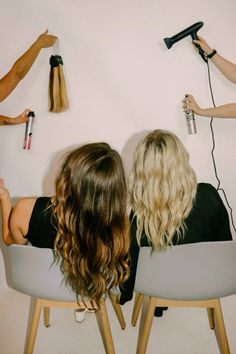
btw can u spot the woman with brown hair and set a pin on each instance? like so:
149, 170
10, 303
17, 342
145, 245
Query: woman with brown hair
85, 222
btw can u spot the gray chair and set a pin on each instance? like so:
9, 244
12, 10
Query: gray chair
34, 273
191, 275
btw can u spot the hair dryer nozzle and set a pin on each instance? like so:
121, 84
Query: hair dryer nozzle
192, 31
169, 42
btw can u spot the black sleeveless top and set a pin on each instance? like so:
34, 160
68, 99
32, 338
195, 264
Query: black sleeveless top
41, 232
207, 221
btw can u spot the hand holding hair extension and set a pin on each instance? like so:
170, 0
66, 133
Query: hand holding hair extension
57, 93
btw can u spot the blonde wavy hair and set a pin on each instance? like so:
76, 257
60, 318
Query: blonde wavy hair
162, 188
90, 209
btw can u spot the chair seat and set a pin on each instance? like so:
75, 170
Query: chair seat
195, 275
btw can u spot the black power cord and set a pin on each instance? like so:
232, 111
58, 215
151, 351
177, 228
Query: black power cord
219, 188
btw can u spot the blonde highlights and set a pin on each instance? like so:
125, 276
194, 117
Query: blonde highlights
162, 188
57, 93
93, 229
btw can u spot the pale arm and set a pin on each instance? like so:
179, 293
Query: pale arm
227, 68
23, 64
224, 111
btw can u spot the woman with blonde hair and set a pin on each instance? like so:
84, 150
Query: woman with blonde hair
168, 205
85, 222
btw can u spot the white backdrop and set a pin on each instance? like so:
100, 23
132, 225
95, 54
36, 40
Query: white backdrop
121, 81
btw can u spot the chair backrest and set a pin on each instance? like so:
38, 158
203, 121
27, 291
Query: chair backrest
196, 271
35, 273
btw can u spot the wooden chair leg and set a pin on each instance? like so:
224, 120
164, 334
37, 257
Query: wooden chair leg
32, 327
145, 324
118, 310
137, 306
46, 316
104, 327
211, 318
220, 329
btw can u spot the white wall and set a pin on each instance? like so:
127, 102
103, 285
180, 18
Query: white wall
121, 81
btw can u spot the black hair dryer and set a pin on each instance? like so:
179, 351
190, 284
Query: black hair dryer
190, 31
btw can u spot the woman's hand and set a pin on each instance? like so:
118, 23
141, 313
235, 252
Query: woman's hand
203, 44
46, 40
22, 118
189, 104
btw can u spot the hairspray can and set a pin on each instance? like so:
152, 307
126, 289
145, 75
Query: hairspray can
29, 131
190, 121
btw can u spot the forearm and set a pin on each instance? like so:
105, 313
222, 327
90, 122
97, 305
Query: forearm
6, 208
18, 71
24, 63
21, 118
224, 111
227, 68
5, 120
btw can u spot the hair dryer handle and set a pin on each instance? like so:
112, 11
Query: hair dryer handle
200, 50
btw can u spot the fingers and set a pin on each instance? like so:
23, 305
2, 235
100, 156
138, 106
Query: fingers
26, 111
46, 40
196, 41
187, 102
200, 38
188, 98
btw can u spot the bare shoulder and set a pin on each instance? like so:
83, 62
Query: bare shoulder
21, 214
25, 203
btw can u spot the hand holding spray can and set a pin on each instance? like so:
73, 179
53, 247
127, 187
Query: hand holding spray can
29, 130
190, 121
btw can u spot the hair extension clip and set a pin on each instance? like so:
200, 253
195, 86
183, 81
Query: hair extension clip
55, 60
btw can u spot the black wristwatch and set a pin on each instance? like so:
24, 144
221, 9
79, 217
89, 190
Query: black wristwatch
209, 56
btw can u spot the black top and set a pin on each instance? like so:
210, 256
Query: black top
207, 221
41, 232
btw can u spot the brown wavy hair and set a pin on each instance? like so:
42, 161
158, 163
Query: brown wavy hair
89, 205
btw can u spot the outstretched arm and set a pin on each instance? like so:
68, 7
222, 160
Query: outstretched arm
21, 118
224, 111
23, 64
227, 68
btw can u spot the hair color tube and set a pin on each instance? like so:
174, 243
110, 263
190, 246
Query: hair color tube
29, 131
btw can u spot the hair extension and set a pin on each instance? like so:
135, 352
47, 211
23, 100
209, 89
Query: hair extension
162, 188
57, 93
93, 229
